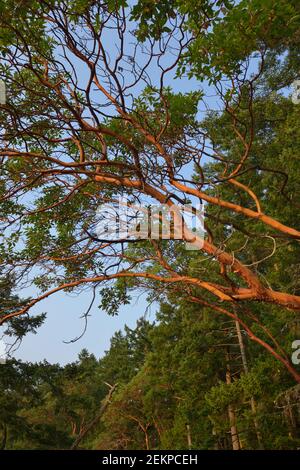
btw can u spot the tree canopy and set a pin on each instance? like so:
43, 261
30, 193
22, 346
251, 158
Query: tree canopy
97, 108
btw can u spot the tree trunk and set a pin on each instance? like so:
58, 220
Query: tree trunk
246, 370
92, 423
4, 437
147, 439
231, 413
189, 437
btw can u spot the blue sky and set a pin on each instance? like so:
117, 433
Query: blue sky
63, 310
64, 324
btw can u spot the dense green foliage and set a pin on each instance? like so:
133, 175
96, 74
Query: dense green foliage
169, 375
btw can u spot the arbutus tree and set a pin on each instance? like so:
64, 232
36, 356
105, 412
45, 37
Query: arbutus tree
90, 116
